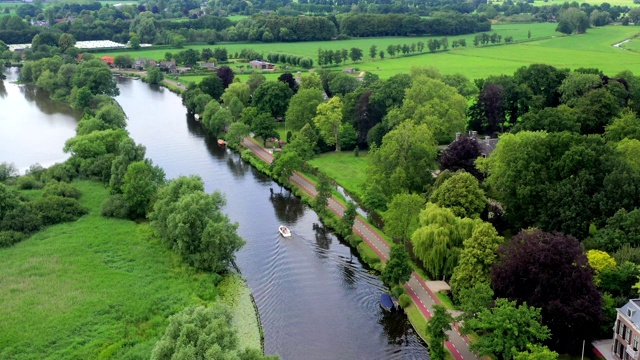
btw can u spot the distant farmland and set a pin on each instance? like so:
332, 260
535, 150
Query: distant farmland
593, 49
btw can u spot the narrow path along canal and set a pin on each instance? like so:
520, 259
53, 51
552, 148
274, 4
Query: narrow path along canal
316, 300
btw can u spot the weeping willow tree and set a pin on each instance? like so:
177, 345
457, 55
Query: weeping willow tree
438, 241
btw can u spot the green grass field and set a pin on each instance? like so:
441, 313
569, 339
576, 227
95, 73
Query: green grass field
633, 45
593, 49
238, 17
95, 288
310, 49
345, 168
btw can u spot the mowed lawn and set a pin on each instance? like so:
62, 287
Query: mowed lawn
95, 288
345, 168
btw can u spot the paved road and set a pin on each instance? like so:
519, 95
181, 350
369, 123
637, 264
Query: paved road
416, 287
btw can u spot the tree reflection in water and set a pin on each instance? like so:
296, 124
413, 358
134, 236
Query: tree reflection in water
396, 326
287, 206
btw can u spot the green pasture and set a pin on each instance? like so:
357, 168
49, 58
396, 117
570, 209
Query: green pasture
593, 49
310, 49
633, 45
238, 17
345, 168
243, 77
595, 2
94, 288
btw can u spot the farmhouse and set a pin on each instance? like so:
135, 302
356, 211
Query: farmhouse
261, 65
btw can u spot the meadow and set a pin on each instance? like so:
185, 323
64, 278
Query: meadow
310, 48
593, 49
94, 288
633, 45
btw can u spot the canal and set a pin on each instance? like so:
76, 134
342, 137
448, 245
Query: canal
316, 300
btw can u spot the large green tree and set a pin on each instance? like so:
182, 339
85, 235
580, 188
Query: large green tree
272, 97
302, 108
201, 333
439, 106
328, 120
397, 270
437, 327
462, 194
403, 163
560, 181
401, 217
139, 186
439, 239
476, 258
507, 329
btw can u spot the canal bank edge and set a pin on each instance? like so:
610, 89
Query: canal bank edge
418, 312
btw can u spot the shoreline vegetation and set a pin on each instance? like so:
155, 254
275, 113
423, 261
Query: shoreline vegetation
84, 264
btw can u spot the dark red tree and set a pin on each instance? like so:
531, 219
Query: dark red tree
288, 79
461, 155
550, 271
226, 75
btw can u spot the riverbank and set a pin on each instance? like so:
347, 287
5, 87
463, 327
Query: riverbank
420, 291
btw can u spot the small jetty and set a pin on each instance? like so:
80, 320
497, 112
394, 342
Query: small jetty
388, 303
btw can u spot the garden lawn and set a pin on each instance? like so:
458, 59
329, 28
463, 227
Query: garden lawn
345, 168
94, 288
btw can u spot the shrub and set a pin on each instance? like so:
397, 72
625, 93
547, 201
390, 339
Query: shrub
22, 219
8, 238
36, 170
397, 291
404, 300
115, 207
28, 182
7, 170
57, 209
63, 189
60, 172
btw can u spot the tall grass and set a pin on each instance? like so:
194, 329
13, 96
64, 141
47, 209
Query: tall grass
95, 288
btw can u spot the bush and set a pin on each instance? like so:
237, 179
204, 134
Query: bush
115, 207
8, 238
64, 189
7, 170
57, 209
397, 291
28, 182
60, 172
404, 300
21, 219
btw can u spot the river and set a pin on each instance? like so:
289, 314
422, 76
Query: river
26, 108
316, 300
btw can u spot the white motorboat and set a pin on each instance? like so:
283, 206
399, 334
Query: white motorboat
284, 231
